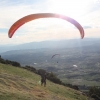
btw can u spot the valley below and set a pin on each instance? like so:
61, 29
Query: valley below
79, 65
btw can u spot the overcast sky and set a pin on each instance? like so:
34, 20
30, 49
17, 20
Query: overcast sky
86, 12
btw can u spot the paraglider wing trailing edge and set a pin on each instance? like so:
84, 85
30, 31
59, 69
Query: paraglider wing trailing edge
31, 17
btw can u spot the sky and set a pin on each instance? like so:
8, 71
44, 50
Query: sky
86, 12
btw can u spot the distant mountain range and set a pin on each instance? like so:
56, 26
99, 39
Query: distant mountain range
52, 44
40, 52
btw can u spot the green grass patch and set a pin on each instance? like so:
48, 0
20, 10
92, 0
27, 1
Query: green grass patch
20, 84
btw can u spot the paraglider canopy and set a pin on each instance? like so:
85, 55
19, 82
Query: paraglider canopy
31, 17
55, 55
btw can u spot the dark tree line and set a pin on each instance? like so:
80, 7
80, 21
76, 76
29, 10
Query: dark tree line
13, 63
94, 92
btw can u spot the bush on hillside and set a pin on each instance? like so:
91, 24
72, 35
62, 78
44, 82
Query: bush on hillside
30, 68
94, 92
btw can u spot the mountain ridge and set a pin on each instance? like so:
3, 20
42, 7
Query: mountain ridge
51, 44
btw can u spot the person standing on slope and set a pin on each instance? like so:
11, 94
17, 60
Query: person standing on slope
43, 79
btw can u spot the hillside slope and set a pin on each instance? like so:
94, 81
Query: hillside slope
20, 84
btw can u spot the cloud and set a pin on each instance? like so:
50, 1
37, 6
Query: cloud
85, 27
3, 30
95, 5
12, 11
92, 32
45, 29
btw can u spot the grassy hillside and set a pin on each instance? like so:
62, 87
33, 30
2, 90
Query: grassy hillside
20, 84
